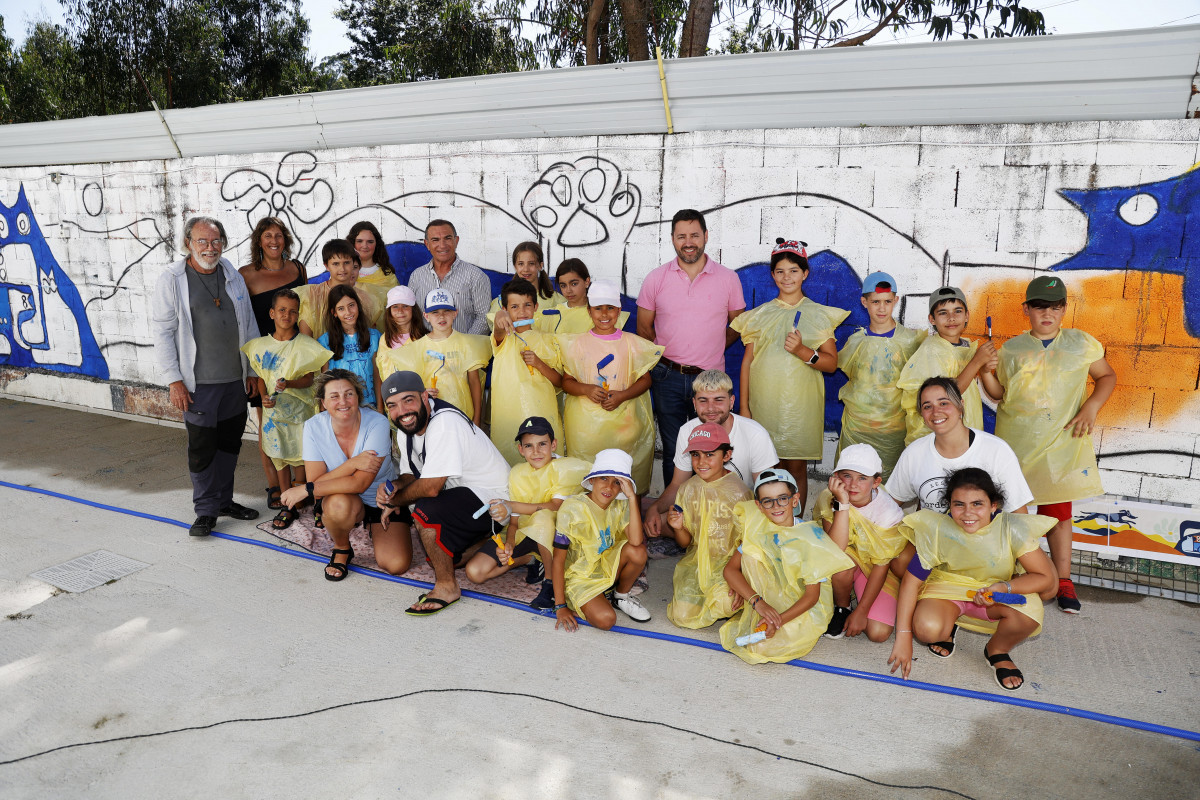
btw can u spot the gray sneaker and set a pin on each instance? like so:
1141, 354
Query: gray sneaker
631, 607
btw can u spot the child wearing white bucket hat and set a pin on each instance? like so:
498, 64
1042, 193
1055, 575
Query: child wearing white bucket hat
598, 545
864, 521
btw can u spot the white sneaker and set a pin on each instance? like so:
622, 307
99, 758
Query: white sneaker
631, 606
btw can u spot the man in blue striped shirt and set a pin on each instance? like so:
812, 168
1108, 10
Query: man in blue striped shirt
466, 282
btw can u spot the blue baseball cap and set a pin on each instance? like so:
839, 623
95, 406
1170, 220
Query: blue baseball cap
439, 300
879, 282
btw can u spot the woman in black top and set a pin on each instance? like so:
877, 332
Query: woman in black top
271, 268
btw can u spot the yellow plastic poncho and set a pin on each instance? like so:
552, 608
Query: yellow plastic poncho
519, 391
873, 413
380, 279
701, 595
779, 564
283, 426
1043, 389
787, 396
962, 562
570, 320
869, 544
937, 357
597, 536
560, 478
628, 427
314, 300
463, 351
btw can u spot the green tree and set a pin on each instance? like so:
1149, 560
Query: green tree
265, 51
44, 79
410, 40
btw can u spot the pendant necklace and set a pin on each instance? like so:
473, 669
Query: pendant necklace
216, 298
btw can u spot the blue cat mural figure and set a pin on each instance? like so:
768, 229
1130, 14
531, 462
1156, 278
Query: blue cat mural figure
43, 323
1167, 241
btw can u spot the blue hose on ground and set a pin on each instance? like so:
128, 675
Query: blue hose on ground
1080, 713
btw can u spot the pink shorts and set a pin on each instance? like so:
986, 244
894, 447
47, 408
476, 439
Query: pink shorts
884, 608
969, 609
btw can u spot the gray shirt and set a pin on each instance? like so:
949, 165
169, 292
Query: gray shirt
471, 289
214, 328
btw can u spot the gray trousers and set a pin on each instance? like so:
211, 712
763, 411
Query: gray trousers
215, 422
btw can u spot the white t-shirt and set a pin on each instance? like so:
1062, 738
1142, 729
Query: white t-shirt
882, 510
753, 450
454, 449
921, 472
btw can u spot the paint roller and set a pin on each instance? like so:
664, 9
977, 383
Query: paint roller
600, 365
434, 354
1009, 599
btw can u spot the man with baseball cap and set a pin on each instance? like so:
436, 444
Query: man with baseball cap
449, 470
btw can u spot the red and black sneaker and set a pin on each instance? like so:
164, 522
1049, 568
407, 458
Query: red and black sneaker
1067, 600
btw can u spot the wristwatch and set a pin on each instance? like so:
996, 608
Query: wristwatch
815, 357
836, 506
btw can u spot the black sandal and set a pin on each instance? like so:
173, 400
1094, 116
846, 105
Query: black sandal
342, 568
948, 646
284, 519
317, 521
273, 501
1004, 672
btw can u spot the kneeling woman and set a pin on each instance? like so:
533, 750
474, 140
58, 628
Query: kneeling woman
347, 455
961, 559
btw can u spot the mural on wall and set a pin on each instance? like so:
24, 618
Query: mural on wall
1138, 529
43, 322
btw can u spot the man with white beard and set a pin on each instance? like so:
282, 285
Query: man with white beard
201, 316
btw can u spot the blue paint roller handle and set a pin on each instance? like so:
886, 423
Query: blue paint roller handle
482, 511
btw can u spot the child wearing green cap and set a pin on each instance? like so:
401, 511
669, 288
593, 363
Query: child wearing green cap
1040, 382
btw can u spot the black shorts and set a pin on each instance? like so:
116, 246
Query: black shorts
450, 515
524, 548
373, 515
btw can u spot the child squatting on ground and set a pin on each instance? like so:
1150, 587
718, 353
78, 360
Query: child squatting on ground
598, 546
537, 488
1040, 383
781, 575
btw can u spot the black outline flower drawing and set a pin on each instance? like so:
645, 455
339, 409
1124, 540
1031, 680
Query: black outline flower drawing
281, 196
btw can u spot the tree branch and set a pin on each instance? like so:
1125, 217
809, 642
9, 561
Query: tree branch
883, 23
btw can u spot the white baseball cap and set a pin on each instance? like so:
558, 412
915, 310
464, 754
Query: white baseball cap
860, 458
401, 296
603, 293
439, 300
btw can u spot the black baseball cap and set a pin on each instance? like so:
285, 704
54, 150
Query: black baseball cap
535, 425
402, 381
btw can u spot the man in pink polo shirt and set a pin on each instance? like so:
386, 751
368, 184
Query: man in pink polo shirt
686, 305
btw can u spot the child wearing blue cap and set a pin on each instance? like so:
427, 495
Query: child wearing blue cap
872, 359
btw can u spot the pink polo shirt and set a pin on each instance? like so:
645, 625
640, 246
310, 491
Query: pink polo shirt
690, 317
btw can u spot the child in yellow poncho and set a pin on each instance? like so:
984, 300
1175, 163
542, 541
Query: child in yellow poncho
284, 363
527, 371
963, 558
863, 520
607, 378
872, 359
702, 521
1041, 381
946, 354
789, 344
536, 488
781, 574
598, 545
447, 360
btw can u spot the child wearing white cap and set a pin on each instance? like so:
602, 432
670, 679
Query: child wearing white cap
606, 379
864, 521
872, 359
448, 361
598, 544
403, 321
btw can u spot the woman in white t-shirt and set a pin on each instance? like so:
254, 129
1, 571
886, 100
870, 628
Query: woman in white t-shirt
347, 456
921, 471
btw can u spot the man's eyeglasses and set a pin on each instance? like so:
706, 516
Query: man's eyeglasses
202, 243
776, 502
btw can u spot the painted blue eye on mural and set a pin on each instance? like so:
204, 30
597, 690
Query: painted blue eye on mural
42, 318
1153, 227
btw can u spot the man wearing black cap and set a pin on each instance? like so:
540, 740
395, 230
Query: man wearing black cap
449, 470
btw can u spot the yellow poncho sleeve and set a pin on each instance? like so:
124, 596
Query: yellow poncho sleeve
1044, 389
937, 357
597, 537
873, 411
787, 396
519, 391
701, 595
779, 564
628, 427
962, 562
282, 431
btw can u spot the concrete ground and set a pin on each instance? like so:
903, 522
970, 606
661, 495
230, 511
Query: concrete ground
227, 670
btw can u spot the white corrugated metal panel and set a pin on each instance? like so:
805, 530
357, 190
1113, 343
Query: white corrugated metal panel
1140, 74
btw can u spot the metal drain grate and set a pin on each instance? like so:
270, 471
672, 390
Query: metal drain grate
88, 572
